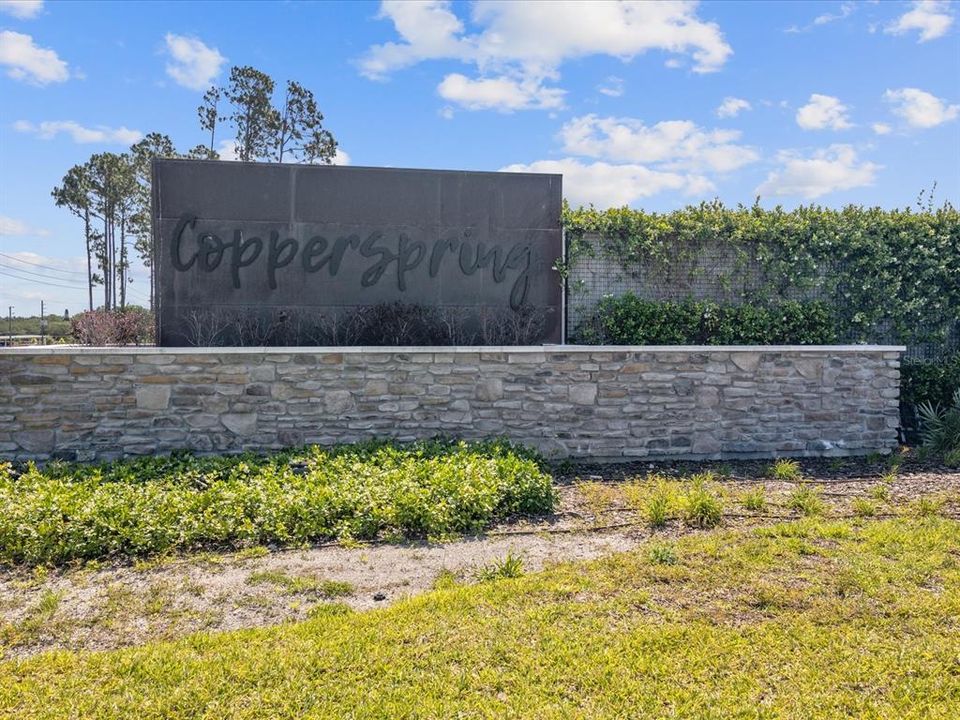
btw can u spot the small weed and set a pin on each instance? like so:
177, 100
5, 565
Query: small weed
654, 499
511, 566
657, 509
724, 471
32, 624
785, 470
598, 497
445, 580
864, 508
806, 500
927, 507
880, 492
257, 551
157, 598
662, 554
895, 460
755, 500
296, 585
193, 587
701, 505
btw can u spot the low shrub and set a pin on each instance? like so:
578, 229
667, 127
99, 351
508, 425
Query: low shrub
381, 324
131, 326
755, 500
655, 499
926, 381
630, 320
864, 508
806, 501
153, 505
785, 470
701, 505
940, 428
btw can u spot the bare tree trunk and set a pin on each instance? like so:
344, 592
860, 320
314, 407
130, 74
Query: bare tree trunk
86, 234
123, 261
246, 139
283, 128
106, 262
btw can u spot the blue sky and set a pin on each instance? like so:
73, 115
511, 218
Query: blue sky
655, 105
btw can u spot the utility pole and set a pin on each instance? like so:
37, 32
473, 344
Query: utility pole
10, 325
43, 326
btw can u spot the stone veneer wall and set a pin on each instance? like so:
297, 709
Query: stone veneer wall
568, 401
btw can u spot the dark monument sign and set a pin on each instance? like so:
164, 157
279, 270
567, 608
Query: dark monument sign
250, 253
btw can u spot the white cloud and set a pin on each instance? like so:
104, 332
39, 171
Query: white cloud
881, 128
846, 9
731, 107
921, 109
227, 150
29, 62
194, 65
49, 129
499, 93
341, 157
611, 87
677, 144
446, 112
823, 111
527, 42
12, 227
21, 9
828, 170
608, 185
932, 18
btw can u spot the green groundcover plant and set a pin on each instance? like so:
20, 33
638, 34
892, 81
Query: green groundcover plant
67, 512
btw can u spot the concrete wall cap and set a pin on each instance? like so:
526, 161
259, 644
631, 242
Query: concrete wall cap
145, 350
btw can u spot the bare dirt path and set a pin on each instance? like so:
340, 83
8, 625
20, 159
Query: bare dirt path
101, 607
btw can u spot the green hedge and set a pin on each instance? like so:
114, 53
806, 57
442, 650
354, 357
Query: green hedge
153, 505
630, 320
887, 274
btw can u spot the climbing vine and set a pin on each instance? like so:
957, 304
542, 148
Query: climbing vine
892, 274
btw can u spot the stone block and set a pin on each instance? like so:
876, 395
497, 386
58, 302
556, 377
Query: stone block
240, 423
746, 361
489, 389
35, 441
153, 397
338, 401
583, 393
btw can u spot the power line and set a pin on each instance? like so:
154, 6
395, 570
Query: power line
30, 272
46, 267
41, 282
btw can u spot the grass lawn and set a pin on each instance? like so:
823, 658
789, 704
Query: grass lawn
809, 618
